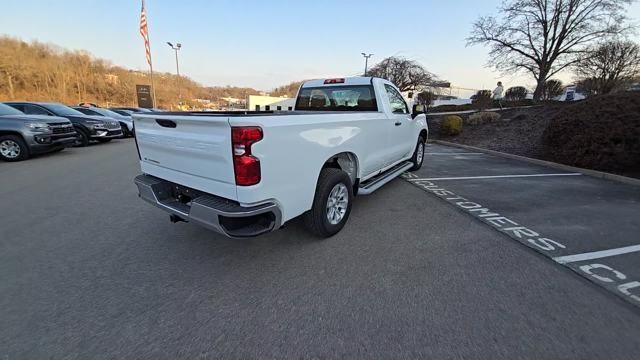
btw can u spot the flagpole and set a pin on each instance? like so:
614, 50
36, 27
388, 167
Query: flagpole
153, 87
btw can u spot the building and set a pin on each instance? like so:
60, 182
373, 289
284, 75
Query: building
262, 103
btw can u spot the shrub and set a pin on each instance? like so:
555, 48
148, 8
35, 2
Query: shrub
451, 125
552, 88
483, 117
516, 93
482, 99
426, 98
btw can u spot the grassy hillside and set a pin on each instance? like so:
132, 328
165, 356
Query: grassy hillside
41, 72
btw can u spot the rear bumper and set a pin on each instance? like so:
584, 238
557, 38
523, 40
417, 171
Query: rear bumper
224, 216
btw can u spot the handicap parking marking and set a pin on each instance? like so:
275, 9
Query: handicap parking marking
494, 176
554, 249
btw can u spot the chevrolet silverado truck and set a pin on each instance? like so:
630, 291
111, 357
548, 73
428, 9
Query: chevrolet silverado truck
246, 173
24, 135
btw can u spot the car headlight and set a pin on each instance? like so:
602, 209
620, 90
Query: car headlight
41, 127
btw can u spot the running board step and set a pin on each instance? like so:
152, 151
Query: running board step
378, 181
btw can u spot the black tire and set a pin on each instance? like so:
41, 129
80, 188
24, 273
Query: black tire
125, 131
18, 143
316, 220
415, 159
82, 139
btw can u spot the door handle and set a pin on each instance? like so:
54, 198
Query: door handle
166, 123
398, 123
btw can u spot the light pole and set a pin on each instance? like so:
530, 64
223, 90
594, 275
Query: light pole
366, 62
176, 48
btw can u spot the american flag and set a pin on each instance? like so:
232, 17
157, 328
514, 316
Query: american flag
144, 31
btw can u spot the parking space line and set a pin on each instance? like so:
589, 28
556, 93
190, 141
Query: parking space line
494, 177
596, 254
454, 153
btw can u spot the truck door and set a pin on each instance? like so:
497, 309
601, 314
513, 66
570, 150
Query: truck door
400, 133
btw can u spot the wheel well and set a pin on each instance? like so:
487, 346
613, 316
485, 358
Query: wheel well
7, 132
424, 134
347, 162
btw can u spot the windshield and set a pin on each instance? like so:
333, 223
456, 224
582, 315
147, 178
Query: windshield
8, 110
63, 110
337, 98
111, 113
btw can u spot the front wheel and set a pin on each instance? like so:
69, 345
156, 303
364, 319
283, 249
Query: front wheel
82, 138
13, 148
331, 203
418, 155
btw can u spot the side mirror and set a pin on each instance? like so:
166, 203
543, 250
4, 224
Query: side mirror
417, 110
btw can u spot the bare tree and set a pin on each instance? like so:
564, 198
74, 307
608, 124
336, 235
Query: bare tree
408, 75
552, 89
609, 66
544, 37
425, 98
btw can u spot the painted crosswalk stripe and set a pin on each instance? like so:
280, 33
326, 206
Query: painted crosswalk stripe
597, 254
493, 177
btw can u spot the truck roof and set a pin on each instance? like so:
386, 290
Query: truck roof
356, 80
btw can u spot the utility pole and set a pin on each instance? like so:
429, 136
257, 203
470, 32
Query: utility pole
176, 48
366, 62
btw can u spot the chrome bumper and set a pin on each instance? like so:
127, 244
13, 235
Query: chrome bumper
224, 216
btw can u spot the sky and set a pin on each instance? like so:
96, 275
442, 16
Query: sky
264, 44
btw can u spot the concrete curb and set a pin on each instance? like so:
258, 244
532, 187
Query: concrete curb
589, 172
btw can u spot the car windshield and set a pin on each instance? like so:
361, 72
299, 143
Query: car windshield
8, 110
337, 98
63, 110
111, 113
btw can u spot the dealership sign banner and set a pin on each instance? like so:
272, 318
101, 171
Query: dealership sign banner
143, 93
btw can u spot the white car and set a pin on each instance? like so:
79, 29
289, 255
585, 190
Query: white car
247, 173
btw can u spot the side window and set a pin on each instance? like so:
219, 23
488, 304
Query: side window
35, 110
398, 106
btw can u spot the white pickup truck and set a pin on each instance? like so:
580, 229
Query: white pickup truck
243, 173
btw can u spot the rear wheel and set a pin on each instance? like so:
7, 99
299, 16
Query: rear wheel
418, 155
331, 203
13, 148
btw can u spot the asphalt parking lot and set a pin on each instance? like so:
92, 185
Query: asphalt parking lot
90, 271
590, 225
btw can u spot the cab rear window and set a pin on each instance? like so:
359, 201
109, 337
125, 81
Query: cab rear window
337, 98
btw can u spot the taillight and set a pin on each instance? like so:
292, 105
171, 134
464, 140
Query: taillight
245, 165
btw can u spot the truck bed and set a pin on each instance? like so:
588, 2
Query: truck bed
250, 113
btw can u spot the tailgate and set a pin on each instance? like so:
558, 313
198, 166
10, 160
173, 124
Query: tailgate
193, 151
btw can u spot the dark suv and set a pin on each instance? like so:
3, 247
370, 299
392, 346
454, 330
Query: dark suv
88, 127
24, 135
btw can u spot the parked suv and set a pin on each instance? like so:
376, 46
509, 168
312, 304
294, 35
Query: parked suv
88, 127
23, 135
126, 123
